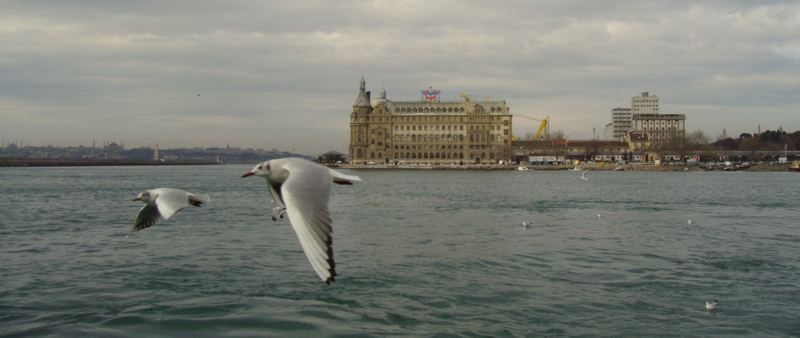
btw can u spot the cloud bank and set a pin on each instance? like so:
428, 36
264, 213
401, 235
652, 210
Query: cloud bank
285, 74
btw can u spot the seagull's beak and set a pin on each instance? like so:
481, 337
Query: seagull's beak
248, 174
137, 199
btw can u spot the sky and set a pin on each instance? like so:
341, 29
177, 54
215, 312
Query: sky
285, 74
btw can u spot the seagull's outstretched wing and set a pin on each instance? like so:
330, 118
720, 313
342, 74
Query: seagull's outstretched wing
340, 178
306, 194
148, 216
170, 201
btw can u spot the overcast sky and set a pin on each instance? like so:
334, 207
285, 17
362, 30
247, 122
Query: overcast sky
284, 74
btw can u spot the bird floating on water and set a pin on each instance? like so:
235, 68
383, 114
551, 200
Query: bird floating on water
690, 222
599, 216
162, 203
301, 190
712, 305
525, 224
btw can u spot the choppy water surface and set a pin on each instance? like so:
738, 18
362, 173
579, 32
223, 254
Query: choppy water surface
419, 253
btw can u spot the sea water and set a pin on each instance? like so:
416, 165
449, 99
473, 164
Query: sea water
419, 253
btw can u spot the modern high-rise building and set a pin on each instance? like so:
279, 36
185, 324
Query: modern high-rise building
644, 104
621, 119
429, 131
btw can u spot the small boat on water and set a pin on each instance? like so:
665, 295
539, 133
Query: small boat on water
619, 169
795, 166
522, 168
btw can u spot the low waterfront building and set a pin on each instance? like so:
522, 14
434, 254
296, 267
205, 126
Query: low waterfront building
331, 157
561, 150
429, 131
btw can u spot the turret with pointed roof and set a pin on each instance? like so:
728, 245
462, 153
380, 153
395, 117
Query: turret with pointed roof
362, 100
359, 123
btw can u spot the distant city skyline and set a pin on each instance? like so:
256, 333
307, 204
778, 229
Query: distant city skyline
284, 75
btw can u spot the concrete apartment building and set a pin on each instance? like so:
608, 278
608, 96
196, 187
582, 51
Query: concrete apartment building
622, 118
644, 104
622, 122
429, 131
664, 131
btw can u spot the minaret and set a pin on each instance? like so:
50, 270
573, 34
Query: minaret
155, 154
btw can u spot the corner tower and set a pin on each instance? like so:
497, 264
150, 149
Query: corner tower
359, 125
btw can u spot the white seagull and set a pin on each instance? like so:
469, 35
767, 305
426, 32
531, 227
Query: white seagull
712, 305
583, 176
301, 190
162, 203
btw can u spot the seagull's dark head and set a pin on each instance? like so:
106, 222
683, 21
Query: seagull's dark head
144, 196
263, 169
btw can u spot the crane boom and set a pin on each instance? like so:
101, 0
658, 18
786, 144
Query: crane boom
542, 127
543, 132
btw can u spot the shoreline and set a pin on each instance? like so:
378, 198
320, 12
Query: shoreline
587, 167
96, 163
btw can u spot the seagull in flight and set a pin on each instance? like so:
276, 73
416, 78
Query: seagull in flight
301, 189
162, 203
583, 176
712, 305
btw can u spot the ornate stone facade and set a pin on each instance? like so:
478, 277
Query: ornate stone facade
429, 133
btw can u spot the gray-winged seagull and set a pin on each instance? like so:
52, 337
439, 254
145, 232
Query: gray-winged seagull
162, 203
301, 190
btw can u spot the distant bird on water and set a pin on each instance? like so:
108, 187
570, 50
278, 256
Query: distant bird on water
525, 224
712, 305
162, 203
301, 190
583, 176
690, 222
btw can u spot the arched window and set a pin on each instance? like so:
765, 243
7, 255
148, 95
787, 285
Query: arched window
372, 155
358, 153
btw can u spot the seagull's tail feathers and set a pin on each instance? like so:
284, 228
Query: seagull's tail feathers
340, 178
199, 200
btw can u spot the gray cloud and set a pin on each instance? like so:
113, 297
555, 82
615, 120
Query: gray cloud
284, 74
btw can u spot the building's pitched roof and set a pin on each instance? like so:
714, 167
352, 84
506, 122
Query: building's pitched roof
362, 100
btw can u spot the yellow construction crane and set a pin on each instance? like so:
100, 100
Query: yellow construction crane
543, 133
